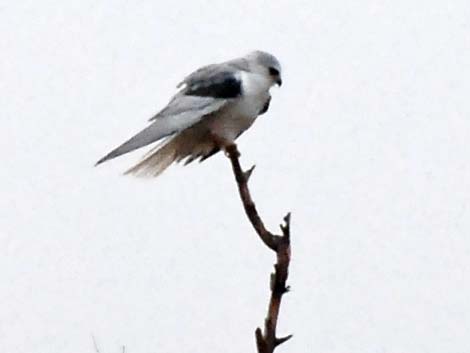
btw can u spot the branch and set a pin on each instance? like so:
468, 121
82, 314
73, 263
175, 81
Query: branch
266, 340
95, 345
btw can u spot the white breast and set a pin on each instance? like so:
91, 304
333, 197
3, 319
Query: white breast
243, 112
255, 84
255, 92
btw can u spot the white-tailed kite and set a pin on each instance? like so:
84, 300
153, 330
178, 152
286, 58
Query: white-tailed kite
214, 106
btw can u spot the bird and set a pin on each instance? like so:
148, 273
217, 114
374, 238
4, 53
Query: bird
213, 106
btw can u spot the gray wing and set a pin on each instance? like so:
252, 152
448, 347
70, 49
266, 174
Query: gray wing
205, 91
204, 87
214, 71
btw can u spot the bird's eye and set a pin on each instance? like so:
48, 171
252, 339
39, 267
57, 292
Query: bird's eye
273, 71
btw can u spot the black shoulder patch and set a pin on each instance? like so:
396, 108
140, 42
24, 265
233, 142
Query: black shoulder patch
220, 85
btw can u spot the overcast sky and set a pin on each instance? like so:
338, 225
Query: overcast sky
367, 143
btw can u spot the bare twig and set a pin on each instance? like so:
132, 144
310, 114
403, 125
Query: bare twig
266, 340
95, 345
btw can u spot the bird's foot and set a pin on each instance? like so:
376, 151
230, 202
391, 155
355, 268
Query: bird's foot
228, 146
231, 150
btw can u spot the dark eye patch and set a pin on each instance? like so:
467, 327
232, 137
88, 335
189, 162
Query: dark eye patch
273, 71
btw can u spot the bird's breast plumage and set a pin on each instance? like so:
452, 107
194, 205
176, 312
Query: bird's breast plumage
240, 114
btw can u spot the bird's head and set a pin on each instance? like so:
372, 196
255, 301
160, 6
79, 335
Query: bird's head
265, 64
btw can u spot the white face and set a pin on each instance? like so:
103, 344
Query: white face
270, 74
267, 65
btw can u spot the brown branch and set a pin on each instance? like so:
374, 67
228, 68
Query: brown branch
95, 345
266, 340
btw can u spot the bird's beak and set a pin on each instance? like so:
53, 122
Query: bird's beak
279, 82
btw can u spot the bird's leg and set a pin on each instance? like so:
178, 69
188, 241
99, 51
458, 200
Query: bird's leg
228, 146
231, 149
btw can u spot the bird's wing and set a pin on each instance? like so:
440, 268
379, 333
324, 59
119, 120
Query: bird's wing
205, 92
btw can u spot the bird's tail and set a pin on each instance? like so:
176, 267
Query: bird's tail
189, 145
150, 134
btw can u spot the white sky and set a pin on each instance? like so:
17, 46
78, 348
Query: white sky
367, 143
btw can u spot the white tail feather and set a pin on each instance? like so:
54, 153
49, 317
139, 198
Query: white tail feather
191, 144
